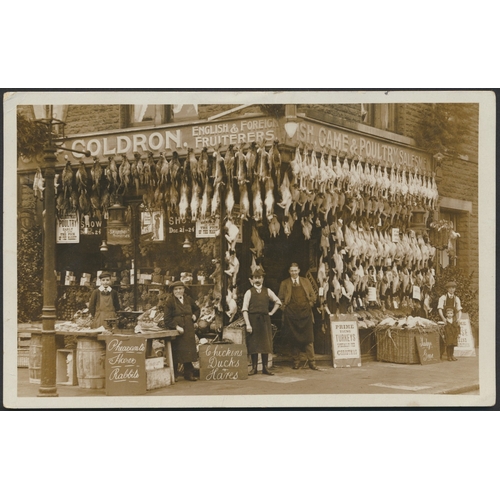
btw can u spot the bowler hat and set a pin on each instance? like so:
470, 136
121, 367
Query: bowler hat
451, 284
258, 272
176, 283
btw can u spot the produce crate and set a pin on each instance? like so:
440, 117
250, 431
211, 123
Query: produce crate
23, 356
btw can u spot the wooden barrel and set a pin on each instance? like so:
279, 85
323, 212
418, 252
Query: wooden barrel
90, 363
35, 358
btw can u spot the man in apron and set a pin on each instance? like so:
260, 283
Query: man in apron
255, 309
297, 297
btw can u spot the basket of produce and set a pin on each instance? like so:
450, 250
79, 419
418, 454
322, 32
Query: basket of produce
396, 338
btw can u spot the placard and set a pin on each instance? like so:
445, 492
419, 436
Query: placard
345, 341
428, 348
152, 223
395, 235
223, 362
466, 345
125, 365
68, 228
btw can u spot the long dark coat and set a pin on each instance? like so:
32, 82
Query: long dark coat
177, 314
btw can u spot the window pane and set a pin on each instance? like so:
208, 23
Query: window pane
143, 113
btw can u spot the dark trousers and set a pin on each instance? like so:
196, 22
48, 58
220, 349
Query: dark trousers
309, 349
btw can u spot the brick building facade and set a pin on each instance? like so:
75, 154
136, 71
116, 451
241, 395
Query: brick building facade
397, 124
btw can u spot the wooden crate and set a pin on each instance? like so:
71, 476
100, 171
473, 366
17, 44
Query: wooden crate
23, 356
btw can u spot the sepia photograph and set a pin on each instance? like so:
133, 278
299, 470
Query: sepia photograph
287, 249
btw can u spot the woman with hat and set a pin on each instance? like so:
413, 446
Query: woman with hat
104, 302
181, 313
450, 303
257, 316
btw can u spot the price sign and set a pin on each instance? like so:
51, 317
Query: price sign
345, 341
428, 348
68, 229
465, 345
223, 362
125, 366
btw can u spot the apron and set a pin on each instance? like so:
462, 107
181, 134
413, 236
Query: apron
184, 346
298, 318
261, 338
105, 310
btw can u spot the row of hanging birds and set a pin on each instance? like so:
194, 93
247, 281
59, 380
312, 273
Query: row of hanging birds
322, 183
391, 285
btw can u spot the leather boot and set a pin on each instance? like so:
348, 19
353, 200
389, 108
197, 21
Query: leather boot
452, 349
265, 369
255, 358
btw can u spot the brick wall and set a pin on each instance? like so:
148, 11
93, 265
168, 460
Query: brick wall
88, 118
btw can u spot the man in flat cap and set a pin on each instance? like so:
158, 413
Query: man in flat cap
257, 316
449, 301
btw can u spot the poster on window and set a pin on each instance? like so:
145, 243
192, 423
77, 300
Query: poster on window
68, 228
152, 224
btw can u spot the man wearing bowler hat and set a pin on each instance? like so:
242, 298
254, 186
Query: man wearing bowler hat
450, 301
257, 316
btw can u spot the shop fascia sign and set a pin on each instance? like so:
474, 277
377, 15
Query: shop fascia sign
369, 148
158, 139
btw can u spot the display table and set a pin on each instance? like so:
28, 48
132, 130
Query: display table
398, 345
91, 351
166, 335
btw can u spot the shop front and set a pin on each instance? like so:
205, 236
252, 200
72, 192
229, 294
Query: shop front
208, 202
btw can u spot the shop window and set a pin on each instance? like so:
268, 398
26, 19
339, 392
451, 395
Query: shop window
383, 116
147, 114
137, 115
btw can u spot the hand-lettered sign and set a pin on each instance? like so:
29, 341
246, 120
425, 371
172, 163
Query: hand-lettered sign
345, 341
465, 345
223, 362
428, 347
125, 365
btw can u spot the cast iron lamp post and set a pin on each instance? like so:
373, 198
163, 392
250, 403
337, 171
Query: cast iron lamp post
48, 369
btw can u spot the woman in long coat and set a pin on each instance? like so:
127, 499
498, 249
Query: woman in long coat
181, 313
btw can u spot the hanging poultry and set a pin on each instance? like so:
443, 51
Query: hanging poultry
274, 226
251, 160
258, 244
263, 164
229, 162
241, 174
258, 208
269, 199
125, 173
96, 175
38, 184
244, 202
286, 195
275, 160
67, 179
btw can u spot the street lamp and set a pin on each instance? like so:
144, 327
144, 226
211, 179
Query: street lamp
54, 128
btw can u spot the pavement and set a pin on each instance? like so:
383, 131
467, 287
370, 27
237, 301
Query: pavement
374, 378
